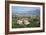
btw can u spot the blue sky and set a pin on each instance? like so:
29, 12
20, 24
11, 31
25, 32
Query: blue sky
21, 9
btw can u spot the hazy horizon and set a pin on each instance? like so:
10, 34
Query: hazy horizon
25, 10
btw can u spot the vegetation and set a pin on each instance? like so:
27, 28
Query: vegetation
26, 21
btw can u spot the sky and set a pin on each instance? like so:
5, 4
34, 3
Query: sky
21, 9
